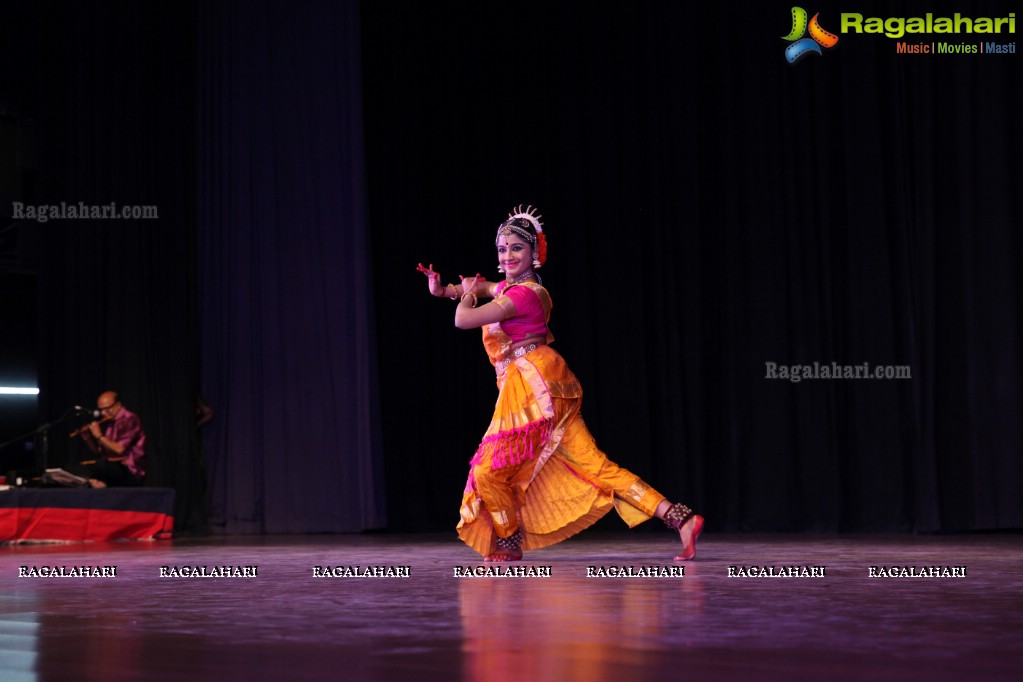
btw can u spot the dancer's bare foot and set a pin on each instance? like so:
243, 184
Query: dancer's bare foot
689, 533
508, 549
504, 555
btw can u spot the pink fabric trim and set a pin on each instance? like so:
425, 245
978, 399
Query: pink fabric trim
508, 448
576, 474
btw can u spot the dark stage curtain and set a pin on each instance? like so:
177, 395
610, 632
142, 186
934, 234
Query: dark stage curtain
711, 209
106, 92
285, 273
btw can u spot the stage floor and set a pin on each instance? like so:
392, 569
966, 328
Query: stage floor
286, 623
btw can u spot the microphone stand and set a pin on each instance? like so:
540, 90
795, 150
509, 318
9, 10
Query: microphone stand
43, 433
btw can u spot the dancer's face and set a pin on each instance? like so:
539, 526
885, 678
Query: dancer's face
514, 254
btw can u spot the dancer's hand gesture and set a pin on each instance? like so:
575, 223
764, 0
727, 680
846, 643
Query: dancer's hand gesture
432, 280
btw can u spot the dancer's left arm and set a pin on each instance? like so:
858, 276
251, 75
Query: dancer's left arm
469, 317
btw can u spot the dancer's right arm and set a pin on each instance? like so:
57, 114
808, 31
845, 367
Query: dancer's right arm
484, 289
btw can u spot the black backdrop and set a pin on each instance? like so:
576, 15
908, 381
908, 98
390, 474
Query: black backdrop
710, 208
107, 90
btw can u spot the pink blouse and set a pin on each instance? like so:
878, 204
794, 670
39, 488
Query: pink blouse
529, 314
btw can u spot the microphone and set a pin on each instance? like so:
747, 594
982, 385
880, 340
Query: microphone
96, 414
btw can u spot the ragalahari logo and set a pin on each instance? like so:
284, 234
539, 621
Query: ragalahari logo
801, 46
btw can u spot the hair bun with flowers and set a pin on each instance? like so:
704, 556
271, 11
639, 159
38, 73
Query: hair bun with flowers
526, 224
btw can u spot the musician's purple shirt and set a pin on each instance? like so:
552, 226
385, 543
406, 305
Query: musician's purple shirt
126, 429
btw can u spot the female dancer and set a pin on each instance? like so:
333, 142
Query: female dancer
538, 477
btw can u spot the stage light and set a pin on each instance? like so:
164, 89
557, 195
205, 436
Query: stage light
14, 390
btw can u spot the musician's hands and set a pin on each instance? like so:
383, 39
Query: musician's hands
95, 430
432, 280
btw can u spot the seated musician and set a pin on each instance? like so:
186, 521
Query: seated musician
118, 441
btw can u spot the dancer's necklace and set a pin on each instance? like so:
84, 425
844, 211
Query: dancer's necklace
524, 277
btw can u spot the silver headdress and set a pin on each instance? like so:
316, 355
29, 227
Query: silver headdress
530, 215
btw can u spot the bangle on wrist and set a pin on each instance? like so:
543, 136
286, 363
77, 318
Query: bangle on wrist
454, 288
469, 293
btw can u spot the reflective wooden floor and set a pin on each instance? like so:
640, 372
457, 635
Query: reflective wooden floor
286, 624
